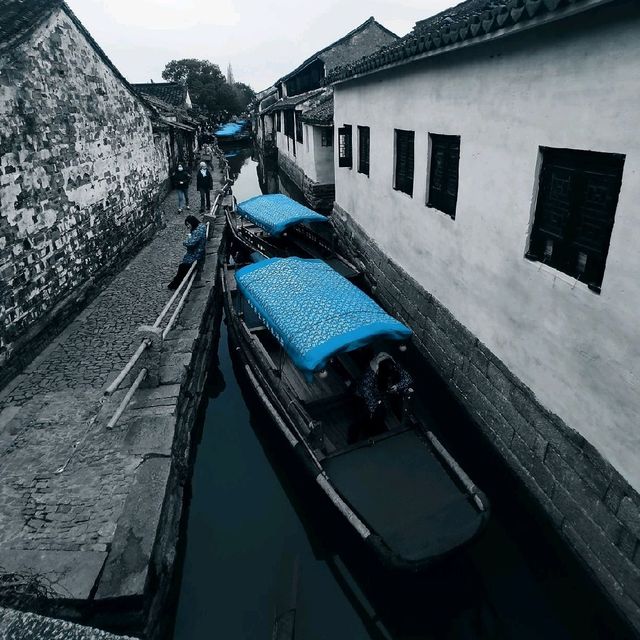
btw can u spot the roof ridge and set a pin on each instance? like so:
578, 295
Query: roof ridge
311, 58
467, 23
19, 17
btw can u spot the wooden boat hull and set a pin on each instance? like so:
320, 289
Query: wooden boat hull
297, 429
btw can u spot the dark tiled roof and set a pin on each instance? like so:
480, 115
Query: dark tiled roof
344, 39
468, 23
322, 113
19, 18
173, 93
293, 101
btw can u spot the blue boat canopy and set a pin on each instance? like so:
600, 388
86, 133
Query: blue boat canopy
313, 311
230, 129
276, 212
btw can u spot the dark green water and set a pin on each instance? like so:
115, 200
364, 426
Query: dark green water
253, 519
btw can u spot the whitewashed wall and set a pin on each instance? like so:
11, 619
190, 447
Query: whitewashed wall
573, 84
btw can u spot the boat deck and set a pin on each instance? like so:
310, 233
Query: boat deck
433, 514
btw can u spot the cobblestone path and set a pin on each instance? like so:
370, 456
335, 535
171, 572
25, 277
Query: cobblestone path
64, 478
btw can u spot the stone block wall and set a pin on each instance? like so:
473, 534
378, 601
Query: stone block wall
318, 196
595, 511
79, 175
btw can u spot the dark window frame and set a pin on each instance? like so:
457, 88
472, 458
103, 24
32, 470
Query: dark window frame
404, 161
279, 121
289, 123
364, 150
444, 173
326, 136
299, 131
345, 146
576, 202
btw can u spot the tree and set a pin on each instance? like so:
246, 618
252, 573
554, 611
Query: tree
207, 86
245, 94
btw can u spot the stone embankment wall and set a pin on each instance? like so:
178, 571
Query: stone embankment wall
134, 588
589, 503
318, 196
80, 174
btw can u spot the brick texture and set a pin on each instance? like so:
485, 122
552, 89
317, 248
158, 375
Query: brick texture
80, 173
318, 196
591, 506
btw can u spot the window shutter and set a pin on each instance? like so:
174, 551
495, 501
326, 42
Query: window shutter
299, 137
443, 176
577, 199
404, 161
363, 150
344, 146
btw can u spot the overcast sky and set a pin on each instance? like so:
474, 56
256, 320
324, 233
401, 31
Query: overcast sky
262, 39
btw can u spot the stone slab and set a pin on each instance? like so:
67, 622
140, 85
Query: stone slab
127, 566
70, 574
20, 625
152, 435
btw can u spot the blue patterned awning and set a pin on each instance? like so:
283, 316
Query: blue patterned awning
313, 311
276, 212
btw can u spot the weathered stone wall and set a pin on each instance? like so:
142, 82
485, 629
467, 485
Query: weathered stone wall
79, 175
589, 503
318, 196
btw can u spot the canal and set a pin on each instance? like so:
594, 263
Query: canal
259, 541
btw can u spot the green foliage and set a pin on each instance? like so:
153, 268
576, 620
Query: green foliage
208, 87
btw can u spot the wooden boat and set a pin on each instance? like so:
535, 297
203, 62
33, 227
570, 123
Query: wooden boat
305, 335
274, 225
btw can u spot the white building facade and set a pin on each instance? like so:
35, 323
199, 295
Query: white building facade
489, 183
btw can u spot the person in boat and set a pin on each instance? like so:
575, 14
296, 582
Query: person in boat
204, 184
382, 388
196, 244
181, 179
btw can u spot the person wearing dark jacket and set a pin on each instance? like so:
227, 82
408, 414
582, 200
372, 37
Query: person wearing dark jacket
195, 243
181, 179
204, 184
383, 388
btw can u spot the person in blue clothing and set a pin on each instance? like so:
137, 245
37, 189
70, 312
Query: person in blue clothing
195, 243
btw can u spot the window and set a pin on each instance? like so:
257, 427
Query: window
298, 126
344, 147
363, 150
278, 121
326, 138
577, 199
289, 126
443, 174
404, 161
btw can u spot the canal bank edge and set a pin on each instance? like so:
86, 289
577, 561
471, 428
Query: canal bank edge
595, 511
18, 625
132, 592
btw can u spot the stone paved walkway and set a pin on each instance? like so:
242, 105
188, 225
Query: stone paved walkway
63, 480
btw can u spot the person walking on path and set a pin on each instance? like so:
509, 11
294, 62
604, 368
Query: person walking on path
181, 181
204, 184
195, 243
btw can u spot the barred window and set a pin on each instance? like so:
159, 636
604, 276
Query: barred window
443, 175
363, 150
404, 161
326, 136
345, 158
577, 199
